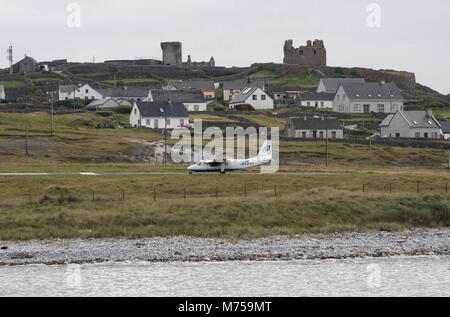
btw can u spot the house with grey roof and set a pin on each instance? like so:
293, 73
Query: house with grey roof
231, 88
314, 128
132, 93
317, 99
331, 85
2, 93
192, 99
159, 115
368, 97
26, 65
411, 124
85, 91
256, 97
103, 104
206, 86
445, 129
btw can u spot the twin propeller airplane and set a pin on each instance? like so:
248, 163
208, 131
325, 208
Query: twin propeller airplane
228, 165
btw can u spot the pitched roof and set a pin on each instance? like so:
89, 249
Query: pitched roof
184, 96
316, 123
445, 126
171, 109
317, 96
243, 95
416, 119
332, 84
203, 85
375, 91
100, 102
67, 88
126, 91
241, 84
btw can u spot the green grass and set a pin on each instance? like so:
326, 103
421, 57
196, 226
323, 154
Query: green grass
92, 74
397, 72
131, 80
63, 206
46, 79
264, 74
12, 84
302, 80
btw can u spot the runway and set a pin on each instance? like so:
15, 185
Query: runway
150, 173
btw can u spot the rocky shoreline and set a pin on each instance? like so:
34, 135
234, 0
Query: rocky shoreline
318, 246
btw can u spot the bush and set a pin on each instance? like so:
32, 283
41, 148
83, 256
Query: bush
219, 108
123, 109
104, 113
244, 108
339, 70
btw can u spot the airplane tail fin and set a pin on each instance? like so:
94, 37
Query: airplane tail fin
266, 151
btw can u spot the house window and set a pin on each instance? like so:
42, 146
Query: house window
308, 103
425, 135
380, 108
182, 122
263, 97
86, 91
148, 122
434, 135
255, 97
168, 121
356, 107
196, 107
321, 134
316, 104
333, 134
394, 108
134, 111
304, 134
341, 108
321, 104
417, 134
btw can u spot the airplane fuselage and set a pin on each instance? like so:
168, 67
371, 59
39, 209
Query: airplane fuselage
227, 166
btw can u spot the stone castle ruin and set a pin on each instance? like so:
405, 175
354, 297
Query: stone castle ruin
172, 53
313, 54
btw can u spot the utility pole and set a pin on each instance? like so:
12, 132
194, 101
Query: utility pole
370, 148
165, 134
327, 146
51, 113
26, 140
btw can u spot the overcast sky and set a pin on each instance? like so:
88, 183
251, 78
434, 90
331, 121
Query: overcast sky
413, 35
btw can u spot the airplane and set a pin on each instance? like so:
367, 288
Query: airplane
228, 165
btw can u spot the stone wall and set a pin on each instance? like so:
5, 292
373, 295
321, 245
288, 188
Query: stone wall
313, 54
172, 53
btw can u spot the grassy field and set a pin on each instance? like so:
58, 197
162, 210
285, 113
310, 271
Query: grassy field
12, 84
125, 206
303, 80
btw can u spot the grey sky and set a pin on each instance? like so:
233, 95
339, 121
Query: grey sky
414, 35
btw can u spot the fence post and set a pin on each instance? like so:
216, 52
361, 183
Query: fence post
123, 194
275, 191
418, 187
185, 193
245, 190
364, 188
154, 194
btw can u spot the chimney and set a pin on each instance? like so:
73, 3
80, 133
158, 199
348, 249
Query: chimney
169, 101
306, 118
429, 113
322, 118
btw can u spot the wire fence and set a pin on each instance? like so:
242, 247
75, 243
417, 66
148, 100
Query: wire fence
255, 190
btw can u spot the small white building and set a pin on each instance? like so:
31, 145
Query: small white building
411, 124
192, 99
67, 92
256, 97
317, 100
158, 115
2, 93
103, 104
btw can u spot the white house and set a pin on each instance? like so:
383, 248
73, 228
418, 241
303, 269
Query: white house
331, 85
85, 91
411, 124
192, 99
158, 115
253, 96
445, 129
317, 100
2, 93
368, 97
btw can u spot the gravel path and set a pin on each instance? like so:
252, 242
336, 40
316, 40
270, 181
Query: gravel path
339, 245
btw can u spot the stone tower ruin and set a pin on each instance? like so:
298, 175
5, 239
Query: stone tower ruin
172, 53
312, 55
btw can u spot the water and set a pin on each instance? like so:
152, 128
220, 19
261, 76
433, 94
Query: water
398, 276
